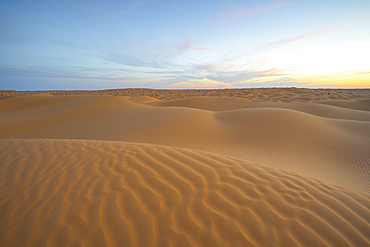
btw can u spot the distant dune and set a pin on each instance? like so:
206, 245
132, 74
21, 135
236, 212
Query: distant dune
108, 170
253, 94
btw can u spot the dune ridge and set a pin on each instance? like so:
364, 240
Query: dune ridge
363, 105
325, 142
350, 110
104, 193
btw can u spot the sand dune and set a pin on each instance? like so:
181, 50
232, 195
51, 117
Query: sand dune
324, 109
336, 150
101, 193
253, 94
363, 105
142, 99
130, 168
11, 100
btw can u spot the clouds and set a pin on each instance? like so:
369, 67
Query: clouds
71, 72
200, 83
120, 51
187, 45
288, 40
355, 73
236, 13
271, 77
180, 43
323, 30
224, 75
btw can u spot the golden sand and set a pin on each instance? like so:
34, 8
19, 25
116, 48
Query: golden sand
213, 170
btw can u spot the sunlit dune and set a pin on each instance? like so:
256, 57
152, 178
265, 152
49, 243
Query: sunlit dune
363, 105
143, 99
269, 167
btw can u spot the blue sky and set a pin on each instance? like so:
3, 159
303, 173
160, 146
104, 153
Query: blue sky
184, 44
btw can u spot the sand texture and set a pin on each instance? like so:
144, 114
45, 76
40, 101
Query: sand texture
102, 170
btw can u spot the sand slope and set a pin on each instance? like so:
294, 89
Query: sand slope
329, 143
363, 105
324, 109
101, 193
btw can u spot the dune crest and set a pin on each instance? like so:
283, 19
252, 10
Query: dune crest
102, 193
325, 109
325, 142
142, 99
363, 105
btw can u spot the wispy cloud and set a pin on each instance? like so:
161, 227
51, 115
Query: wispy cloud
299, 37
272, 82
323, 30
238, 77
271, 71
229, 69
200, 83
187, 45
213, 67
236, 13
223, 66
354, 73
67, 73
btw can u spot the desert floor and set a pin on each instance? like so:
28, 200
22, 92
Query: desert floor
225, 167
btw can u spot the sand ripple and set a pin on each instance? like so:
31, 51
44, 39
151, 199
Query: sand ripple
101, 193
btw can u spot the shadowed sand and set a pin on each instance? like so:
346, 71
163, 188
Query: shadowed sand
193, 171
101, 193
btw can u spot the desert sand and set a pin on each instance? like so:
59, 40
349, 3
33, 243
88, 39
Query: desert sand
143, 167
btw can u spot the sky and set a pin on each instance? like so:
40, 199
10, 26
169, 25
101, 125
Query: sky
56, 45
